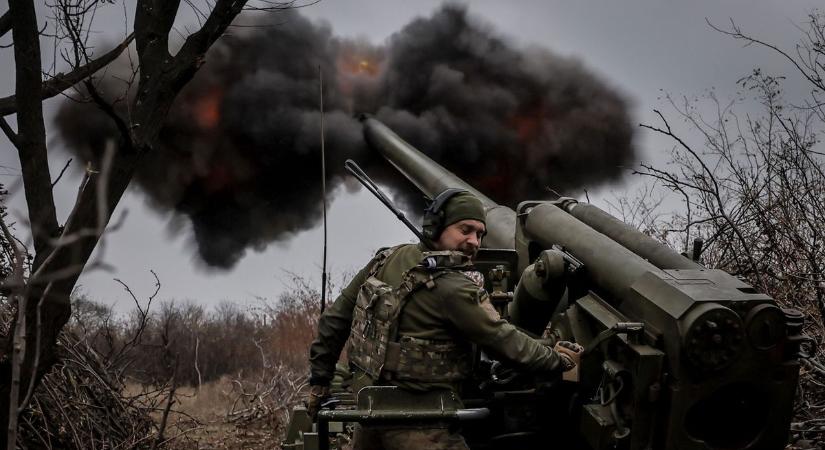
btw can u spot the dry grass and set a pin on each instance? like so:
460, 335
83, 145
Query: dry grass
207, 417
112, 389
209, 402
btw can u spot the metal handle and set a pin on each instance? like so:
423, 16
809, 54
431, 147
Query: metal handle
361, 176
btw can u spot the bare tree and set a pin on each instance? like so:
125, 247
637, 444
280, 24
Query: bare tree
754, 189
61, 251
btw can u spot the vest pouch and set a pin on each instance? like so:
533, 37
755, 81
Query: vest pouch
428, 360
372, 326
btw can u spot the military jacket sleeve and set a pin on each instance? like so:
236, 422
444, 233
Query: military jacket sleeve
462, 303
333, 331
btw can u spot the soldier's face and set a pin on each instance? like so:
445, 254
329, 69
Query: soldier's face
464, 236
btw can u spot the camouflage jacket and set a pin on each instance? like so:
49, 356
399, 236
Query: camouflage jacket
453, 310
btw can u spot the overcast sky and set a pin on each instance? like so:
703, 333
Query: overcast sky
641, 47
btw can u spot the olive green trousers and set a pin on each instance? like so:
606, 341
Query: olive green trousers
374, 438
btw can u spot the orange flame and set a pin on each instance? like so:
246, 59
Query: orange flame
207, 109
528, 124
354, 65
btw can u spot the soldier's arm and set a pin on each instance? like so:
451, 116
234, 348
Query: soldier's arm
463, 308
333, 332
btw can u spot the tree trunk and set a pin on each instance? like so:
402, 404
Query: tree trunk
60, 276
57, 267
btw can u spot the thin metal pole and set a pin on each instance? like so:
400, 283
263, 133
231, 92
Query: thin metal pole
353, 168
323, 192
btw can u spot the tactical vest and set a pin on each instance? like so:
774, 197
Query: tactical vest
375, 346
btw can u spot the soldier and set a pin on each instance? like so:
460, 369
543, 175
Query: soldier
415, 310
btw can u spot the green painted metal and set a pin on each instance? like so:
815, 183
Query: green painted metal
431, 179
678, 356
639, 243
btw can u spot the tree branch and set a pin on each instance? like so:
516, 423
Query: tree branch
109, 110
222, 15
9, 132
63, 81
163, 76
153, 20
60, 175
714, 192
5, 23
737, 33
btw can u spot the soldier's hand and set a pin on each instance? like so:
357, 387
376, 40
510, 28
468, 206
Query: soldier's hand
317, 394
570, 353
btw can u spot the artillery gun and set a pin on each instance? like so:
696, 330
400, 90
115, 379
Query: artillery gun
677, 356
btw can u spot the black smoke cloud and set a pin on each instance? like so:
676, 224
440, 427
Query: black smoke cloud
240, 152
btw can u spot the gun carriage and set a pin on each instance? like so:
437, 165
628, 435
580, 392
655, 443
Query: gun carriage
677, 356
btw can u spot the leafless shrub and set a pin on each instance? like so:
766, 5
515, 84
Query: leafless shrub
268, 400
83, 401
80, 404
754, 190
291, 324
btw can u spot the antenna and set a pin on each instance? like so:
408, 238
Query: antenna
323, 191
361, 176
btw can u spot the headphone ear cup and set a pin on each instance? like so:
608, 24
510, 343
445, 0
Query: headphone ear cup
434, 215
427, 225
432, 222
427, 231
439, 224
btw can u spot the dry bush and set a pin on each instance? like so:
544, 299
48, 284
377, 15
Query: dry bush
248, 405
237, 371
754, 190
82, 402
292, 323
196, 345
241, 372
6, 258
202, 346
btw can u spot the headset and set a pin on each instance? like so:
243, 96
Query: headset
433, 222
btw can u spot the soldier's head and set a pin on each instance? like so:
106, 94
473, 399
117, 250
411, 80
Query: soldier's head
455, 220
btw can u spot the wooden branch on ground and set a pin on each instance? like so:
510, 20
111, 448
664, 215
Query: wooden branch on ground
169, 402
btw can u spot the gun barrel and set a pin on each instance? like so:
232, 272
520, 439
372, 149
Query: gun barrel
611, 265
639, 243
430, 178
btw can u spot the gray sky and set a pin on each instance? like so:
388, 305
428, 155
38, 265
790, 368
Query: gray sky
642, 47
